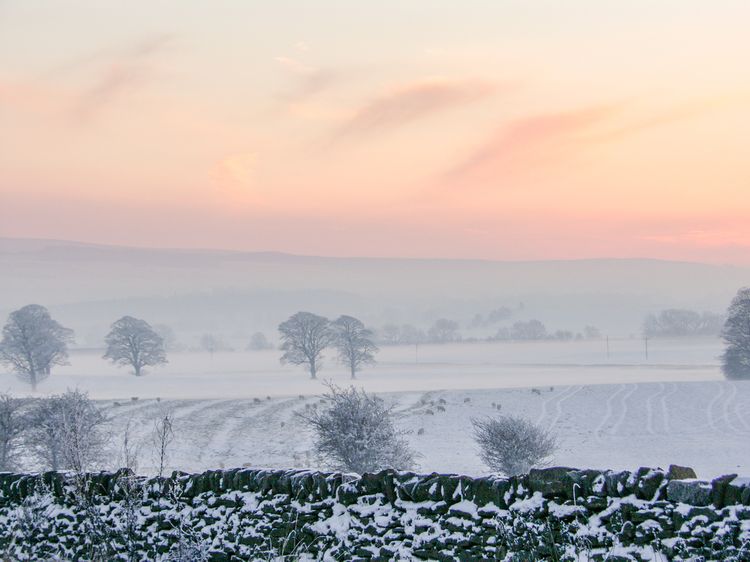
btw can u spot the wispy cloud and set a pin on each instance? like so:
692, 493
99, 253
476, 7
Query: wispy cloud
412, 102
308, 80
118, 73
532, 142
674, 114
528, 141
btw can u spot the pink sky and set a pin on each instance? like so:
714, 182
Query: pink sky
498, 130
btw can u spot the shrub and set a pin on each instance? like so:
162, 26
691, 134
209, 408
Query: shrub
512, 445
356, 433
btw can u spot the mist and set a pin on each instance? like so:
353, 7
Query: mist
234, 294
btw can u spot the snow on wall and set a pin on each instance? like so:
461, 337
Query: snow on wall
244, 514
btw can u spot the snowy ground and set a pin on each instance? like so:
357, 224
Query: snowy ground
624, 411
704, 425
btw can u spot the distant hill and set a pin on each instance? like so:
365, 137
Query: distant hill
90, 283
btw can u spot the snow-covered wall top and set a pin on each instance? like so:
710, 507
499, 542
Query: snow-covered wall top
243, 514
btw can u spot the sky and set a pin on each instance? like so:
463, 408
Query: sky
492, 129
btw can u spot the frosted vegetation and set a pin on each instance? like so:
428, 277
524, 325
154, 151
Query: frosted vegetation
519, 431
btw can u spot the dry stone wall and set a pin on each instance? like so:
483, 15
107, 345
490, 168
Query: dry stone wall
549, 514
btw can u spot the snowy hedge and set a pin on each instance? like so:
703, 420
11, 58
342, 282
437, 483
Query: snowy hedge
244, 514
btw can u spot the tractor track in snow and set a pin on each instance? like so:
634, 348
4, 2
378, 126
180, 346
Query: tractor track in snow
665, 407
650, 408
559, 403
204, 431
738, 412
608, 411
552, 399
624, 408
255, 422
712, 421
730, 401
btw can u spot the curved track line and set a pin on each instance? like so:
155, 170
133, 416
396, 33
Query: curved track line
624, 403
205, 431
665, 408
558, 396
201, 406
738, 412
650, 409
233, 434
710, 407
608, 411
727, 414
558, 405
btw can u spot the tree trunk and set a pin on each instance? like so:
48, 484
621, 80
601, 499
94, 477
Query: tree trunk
32, 378
137, 370
354, 371
313, 370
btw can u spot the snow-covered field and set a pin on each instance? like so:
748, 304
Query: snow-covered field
705, 425
619, 412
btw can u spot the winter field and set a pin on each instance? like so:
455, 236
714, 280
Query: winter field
236, 409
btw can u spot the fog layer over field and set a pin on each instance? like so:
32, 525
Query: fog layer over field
399, 368
235, 294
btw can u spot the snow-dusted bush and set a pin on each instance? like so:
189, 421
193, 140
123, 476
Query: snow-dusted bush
12, 424
67, 431
162, 437
512, 445
356, 433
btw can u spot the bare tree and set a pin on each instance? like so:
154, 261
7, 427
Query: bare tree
443, 331
168, 336
304, 336
736, 335
512, 445
592, 333
210, 343
412, 335
12, 425
259, 342
679, 322
129, 450
493, 317
530, 330
162, 437
67, 431
132, 491
33, 343
354, 343
134, 343
356, 433
390, 334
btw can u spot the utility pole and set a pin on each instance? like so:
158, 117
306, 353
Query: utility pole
607, 347
645, 343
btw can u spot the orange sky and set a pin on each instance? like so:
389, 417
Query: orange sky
499, 130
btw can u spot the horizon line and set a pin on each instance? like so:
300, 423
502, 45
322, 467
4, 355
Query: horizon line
212, 249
